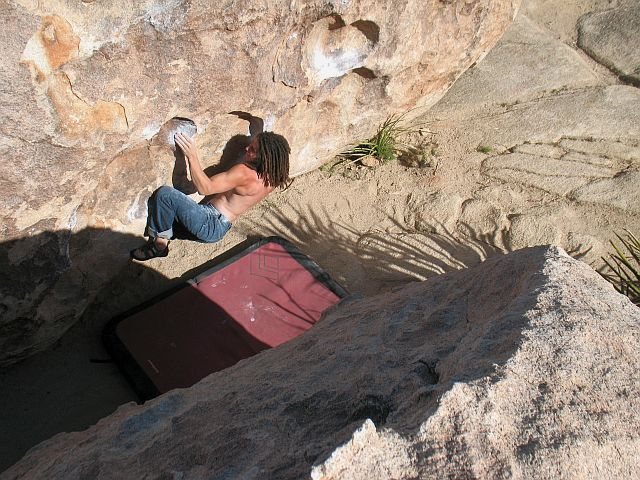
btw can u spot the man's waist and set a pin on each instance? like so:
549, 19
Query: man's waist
222, 209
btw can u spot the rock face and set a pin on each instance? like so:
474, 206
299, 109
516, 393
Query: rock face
525, 366
611, 38
87, 87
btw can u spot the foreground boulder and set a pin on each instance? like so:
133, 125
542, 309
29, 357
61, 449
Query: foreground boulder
87, 87
525, 366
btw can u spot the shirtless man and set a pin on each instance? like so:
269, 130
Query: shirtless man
265, 167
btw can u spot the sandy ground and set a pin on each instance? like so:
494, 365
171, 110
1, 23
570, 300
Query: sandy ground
375, 228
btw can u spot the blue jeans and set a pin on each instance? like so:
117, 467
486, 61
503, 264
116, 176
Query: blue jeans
167, 205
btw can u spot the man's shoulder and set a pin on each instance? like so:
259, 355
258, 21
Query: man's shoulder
240, 168
246, 173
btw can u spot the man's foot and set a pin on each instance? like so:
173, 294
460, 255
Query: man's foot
149, 250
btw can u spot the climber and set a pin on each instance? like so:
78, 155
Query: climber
265, 166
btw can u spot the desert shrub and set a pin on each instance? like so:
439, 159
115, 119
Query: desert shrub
386, 145
624, 266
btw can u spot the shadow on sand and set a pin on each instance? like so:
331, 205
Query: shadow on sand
381, 257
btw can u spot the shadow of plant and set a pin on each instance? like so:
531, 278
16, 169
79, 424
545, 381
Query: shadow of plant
368, 261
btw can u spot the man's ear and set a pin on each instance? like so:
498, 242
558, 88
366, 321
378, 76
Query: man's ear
252, 150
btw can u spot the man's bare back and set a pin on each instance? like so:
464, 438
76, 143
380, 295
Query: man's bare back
235, 202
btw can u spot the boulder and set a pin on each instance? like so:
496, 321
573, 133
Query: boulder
525, 366
89, 90
611, 38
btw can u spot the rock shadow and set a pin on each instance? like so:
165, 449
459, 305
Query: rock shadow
461, 328
56, 282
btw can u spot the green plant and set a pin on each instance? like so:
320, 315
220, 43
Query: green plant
384, 146
483, 149
624, 267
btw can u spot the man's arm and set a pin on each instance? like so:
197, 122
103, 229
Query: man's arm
222, 182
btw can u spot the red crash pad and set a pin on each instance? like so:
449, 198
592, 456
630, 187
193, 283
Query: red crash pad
261, 297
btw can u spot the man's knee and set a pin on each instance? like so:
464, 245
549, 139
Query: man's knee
164, 190
163, 193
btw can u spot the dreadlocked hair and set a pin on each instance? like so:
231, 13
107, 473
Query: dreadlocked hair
272, 160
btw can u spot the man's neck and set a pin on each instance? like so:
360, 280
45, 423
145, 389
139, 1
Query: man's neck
251, 163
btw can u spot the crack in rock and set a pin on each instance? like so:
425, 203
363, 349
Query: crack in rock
580, 169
